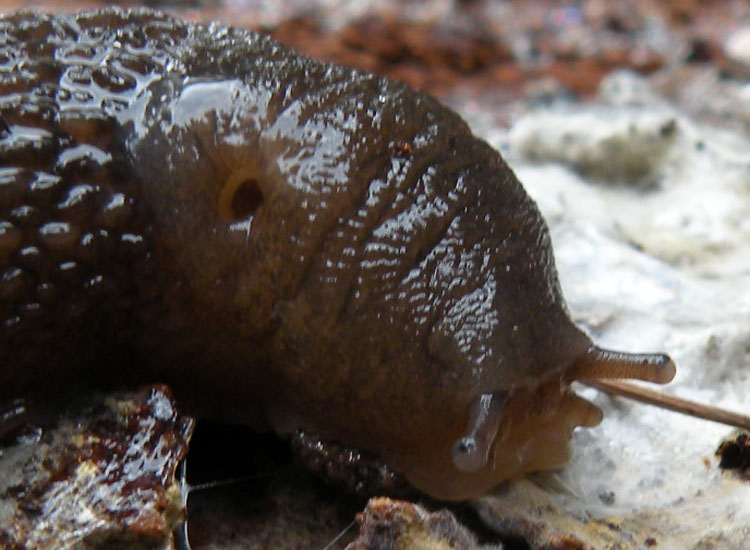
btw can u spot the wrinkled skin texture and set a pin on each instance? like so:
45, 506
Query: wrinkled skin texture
286, 243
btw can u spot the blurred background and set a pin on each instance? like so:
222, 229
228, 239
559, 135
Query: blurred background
507, 53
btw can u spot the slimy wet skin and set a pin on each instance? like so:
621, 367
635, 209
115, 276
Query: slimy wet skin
287, 243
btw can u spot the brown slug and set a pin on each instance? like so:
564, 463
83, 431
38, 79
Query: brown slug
287, 243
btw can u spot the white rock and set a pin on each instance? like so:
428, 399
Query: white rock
657, 267
625, 145
737, 46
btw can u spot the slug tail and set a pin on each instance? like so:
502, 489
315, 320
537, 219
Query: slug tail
602, 363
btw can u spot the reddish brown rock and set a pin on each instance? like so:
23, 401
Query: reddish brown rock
392, 524
101, 477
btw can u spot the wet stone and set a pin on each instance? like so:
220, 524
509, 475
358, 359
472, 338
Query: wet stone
103, 476
387, 523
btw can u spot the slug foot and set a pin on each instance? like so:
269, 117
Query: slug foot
356, 471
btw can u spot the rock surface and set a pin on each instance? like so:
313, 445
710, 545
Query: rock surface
659, 267
102, 477
387, 524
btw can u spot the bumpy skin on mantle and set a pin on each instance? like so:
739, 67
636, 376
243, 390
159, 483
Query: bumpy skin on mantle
285, 242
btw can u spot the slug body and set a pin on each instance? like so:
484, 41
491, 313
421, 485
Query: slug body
287, 243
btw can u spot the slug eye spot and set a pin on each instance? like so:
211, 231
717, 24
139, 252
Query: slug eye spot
467, 456
240, 197
471, 452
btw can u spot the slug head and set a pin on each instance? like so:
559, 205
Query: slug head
503, 337
368, 270
509, 433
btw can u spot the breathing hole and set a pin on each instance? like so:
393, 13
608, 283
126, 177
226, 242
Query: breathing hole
240, 197
246, 199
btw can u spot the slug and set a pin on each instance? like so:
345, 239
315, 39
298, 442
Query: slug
287, 243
